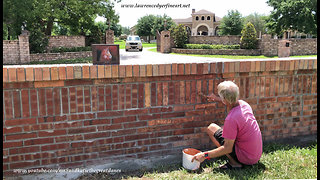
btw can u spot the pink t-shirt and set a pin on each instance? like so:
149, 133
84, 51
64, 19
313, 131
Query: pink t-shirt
241, 125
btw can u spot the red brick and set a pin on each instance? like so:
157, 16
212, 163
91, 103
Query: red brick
258, 66
5, 75
96, 135
69, 70
123, 132
81, 130
136, 137
123, 119
183, 131
122, 71
52, 133
155, 70
136, 71
149, 70
12, 74
142, 72
46, 74
109, 127
62, 73
115, 71
205, 68
101, 73
38, 141
85, 72
24, 164
128, 70
168, 70
94, 71
11, 130
174, 68
107, 71
25, 103
54, 73
21, 136
55, 147
193, 68
180, 69
12, 144
21, 74
43, 84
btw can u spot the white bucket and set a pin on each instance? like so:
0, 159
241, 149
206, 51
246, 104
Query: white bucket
187, 156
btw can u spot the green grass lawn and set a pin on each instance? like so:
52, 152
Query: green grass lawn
122, 44
231, 56
277, 162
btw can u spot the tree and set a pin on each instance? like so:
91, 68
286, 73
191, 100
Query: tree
15, 15
248, 39
231, 24
299, 15
126, 30
258, 21
179, 34
159, 23
145, 25
77, 15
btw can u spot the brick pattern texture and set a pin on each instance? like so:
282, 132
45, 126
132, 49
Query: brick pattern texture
239, 52
66, 41
74, 116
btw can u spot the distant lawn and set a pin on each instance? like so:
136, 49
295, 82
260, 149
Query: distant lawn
277, 162
238, 57
122, 44
231, 56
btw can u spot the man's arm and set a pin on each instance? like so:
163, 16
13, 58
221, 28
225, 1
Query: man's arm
211, 97
226, 148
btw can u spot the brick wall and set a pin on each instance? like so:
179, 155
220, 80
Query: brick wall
303, 46
225, 40
246, 52
17, 51
66, 41
56, 56
75, 116
10, 51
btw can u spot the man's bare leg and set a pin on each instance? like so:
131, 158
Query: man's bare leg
210, 131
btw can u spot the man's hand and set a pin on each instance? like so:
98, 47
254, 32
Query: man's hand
212, 97
199, 157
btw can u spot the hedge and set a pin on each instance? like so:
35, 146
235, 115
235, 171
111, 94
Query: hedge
71, 49
209, 46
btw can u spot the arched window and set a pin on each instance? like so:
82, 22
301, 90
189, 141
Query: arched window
202, 18
197, 18
208, 18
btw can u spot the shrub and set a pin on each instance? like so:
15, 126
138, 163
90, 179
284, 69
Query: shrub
249, 39
208, 46
180, 36
70, 49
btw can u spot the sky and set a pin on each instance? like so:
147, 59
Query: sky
129, 16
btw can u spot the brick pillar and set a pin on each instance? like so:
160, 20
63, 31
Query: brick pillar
109, 37
165, 39
284, 47
265, 43
24, 50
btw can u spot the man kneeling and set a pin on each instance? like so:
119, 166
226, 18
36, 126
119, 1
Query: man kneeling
240, 139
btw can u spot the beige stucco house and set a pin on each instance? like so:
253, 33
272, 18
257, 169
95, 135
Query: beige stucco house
201, 23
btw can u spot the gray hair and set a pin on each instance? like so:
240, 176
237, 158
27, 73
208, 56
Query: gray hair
228, 91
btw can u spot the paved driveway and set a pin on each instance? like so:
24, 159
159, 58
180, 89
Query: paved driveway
149, 57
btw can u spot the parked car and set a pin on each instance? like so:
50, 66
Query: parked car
133, 43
